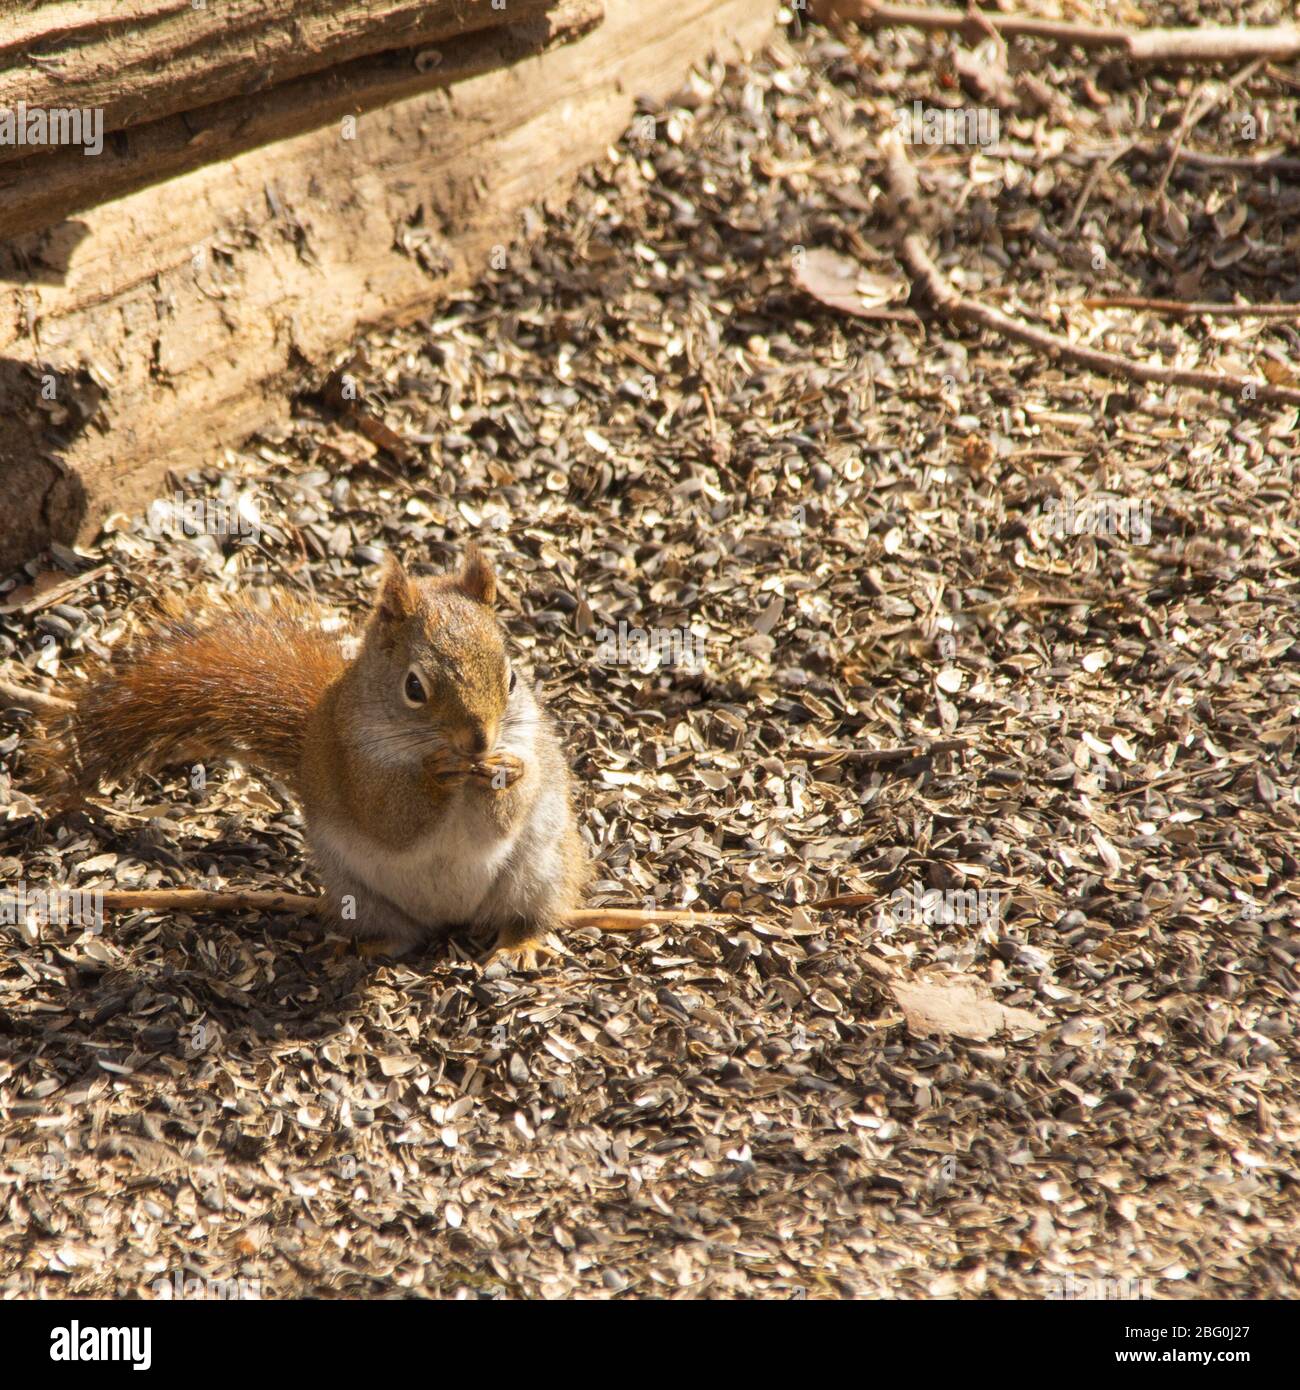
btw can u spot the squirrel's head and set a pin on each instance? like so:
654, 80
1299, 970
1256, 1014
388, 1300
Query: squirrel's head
435, 658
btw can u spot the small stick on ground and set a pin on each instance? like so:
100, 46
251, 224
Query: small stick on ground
192, 900
1206, 99
979, 610
1231, 163
846, 900
914, 254
634, 919
206, 900
875, 757
57, 592
1095, 176
1204, 44
1185, 309
37, 701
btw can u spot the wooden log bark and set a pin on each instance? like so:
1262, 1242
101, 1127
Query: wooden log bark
151, 331
42, 189
138, 61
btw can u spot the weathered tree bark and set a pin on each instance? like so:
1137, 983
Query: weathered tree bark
42, 189
171, 320
141, 60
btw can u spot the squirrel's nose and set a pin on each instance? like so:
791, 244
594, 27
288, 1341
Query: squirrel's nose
473, 740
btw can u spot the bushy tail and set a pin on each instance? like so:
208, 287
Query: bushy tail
233, 682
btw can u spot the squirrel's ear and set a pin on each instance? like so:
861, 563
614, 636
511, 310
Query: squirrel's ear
396, 600
476, 577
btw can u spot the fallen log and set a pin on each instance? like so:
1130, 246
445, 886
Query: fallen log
136, 61
184, 307
42, 189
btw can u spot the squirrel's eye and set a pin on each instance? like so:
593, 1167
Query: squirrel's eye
414, 689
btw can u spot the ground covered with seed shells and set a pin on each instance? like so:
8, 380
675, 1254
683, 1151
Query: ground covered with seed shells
1075, 1065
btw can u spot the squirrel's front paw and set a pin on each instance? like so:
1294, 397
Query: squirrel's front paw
446, 767
500, 770
521, 950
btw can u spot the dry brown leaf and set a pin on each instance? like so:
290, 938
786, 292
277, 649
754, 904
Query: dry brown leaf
841, 283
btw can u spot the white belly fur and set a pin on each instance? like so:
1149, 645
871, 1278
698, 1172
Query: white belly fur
441, 879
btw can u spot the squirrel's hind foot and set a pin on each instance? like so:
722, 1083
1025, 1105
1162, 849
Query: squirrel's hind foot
369, 947
522, 947
375, 926
529, 955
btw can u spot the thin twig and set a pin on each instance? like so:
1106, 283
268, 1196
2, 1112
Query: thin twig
1198, 108
1204, 44
21, 601
634, 919
36, 700
979, 610
205, 900
194, 900
1185, 309
873, 757
1263, 163
1234, 163
1095, 176
846, 900
912, 251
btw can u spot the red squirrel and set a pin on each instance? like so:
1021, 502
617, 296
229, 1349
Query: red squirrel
431, 780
